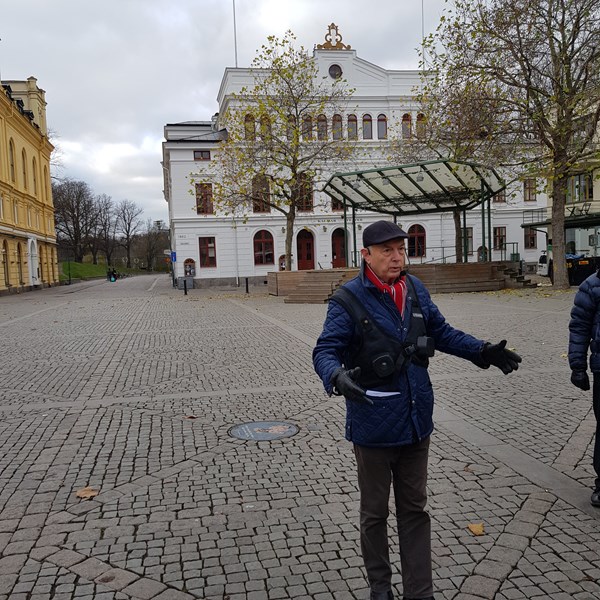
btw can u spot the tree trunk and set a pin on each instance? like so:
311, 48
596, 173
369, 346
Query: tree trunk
289, 235
458, 236
559, 195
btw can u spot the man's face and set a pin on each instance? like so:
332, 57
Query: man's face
387, 260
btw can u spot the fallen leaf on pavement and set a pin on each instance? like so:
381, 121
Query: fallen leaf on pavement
476, 528
87, 492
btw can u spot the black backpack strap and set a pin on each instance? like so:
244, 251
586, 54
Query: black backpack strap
417, 320
354, 307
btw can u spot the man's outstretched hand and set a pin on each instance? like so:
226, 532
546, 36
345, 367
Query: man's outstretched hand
499, 356
344, 382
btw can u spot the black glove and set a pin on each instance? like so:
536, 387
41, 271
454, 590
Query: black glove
497, 355
581, 380
345, 384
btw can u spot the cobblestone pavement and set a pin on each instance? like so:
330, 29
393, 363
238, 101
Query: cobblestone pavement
131, 388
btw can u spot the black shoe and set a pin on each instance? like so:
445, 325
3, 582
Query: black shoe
595, 499
382, 595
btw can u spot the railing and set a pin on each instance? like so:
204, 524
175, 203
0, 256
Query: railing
536, 215
507, 251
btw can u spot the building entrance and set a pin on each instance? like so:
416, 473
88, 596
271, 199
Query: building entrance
338, 249
305, 250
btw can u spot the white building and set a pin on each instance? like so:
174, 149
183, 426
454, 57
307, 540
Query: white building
218, 249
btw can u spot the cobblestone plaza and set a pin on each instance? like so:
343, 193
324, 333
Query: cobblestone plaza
132, 387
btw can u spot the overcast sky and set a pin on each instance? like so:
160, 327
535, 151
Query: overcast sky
116, 71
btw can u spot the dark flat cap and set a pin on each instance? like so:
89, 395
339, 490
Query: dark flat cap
382, 231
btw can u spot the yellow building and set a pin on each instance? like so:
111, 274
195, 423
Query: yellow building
28, 257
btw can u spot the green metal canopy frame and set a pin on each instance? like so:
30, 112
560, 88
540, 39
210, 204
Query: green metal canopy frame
426, 187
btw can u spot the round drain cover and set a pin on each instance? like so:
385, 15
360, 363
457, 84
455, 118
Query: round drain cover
263, 430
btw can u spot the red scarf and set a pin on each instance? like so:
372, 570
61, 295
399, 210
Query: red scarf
397, 290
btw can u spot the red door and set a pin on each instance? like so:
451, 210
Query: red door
306, 255
338, 249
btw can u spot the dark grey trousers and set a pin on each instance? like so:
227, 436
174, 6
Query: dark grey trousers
406, 468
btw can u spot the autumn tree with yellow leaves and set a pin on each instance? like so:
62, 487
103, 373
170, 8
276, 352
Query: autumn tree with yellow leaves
281, 136
516, 84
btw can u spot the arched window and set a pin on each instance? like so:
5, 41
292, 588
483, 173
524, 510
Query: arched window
249, 127
45, 194
263, 248
34, 176
11, 160
416, 241
305, 193
260, 194
24, 160
382, 127
307, 128
406, 126
265, 127
5, 259
322, 128
421, 125
20, 264
352, 127
337, 127
367, 127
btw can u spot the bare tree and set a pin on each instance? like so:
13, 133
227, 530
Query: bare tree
152, 242
516, 84
128, 224
74, 213
107, 226
278, 137
56, 160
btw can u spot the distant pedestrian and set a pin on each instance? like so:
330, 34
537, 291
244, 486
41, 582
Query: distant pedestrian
584, 335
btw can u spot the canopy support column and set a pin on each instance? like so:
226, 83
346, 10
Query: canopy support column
354, 235
465, 238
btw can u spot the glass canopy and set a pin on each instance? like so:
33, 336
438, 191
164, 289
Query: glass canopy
426, 187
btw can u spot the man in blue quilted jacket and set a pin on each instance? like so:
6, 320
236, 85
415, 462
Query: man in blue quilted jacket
380, 330
584, 335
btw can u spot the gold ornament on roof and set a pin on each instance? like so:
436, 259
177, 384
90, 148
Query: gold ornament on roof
333, 40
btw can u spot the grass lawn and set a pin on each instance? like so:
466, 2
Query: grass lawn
90, 271
80, 270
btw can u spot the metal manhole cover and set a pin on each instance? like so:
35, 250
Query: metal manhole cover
263, 430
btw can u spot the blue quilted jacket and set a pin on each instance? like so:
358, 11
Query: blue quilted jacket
406, 416
584, 327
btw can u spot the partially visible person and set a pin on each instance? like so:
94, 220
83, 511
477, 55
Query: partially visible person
380, 331
584, 336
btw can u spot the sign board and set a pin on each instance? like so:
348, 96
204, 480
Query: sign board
173, 257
